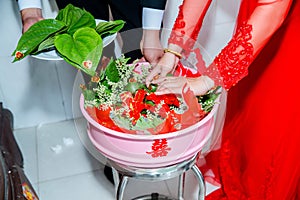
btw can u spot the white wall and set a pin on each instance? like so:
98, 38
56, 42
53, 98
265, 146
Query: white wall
39, 91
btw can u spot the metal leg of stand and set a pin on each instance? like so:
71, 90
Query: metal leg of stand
181, 179
201, 181
121, 187
116, 178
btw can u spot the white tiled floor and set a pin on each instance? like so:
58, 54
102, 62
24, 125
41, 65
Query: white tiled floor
62, 165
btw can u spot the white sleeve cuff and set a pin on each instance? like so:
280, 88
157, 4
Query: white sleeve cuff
29, 4
152, 18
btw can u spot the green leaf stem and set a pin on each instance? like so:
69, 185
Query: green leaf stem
112, 72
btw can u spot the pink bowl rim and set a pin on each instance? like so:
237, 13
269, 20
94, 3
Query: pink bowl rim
146, 137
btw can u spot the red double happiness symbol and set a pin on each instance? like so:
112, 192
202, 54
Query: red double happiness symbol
159, 148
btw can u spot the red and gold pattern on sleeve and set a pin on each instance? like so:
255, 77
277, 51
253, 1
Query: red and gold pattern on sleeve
231, 65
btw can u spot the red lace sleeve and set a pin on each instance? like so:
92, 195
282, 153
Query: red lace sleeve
231, 65
188, 23
254, 28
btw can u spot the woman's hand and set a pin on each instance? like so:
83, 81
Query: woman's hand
199, 85
167, 64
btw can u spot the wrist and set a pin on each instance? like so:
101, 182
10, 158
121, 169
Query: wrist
28, 13
151, 34
174, 49
151, 40
201, 85
174, 53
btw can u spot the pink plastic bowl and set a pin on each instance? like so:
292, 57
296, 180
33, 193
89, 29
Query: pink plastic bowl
150, 151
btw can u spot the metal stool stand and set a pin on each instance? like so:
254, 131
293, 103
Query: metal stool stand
157, 174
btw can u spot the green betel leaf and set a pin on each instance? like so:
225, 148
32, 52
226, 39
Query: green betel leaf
47, 44
76, 18
82, 50
35, 35
112, 72
108, 28
134, 86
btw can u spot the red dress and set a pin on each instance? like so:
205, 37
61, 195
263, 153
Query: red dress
260, 153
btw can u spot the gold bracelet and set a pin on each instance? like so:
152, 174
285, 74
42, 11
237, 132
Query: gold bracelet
173, 52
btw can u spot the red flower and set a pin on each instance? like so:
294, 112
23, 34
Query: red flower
153, 97
135, 110
140, 95
102, 117
169, 99
136, 105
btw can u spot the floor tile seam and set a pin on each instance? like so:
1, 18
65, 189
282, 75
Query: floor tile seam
61, 90
68, 176
37, 157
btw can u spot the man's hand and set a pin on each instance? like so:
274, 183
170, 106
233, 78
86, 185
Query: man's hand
151, 46
29, 17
